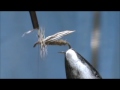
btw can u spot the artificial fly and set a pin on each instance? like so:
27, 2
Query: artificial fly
54, 39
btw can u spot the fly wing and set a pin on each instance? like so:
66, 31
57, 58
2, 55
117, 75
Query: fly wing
58, 35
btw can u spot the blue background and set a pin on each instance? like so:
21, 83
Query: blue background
18, 58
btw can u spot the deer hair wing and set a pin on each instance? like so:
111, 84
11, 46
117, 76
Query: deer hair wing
58, 35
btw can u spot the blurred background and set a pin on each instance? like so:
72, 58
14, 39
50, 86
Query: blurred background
96, 38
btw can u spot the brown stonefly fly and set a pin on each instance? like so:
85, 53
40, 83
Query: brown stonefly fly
54, 39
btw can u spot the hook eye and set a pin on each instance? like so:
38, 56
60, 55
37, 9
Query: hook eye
62, 52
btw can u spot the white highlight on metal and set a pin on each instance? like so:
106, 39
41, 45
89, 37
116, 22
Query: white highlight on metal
76, 64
